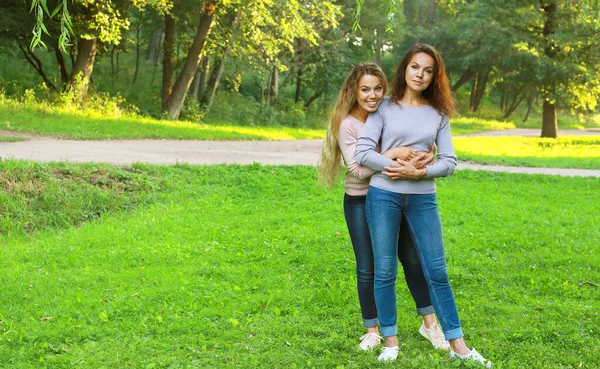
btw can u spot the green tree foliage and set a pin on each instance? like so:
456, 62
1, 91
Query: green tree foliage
524, 49
266, 37
293, 53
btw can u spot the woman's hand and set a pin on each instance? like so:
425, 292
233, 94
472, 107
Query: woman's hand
400, 169
400, 152
422, 159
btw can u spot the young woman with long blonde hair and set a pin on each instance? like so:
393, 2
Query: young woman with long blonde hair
360, 95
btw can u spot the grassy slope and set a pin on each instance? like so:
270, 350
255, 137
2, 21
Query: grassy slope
38, 196
89, 125
251, 267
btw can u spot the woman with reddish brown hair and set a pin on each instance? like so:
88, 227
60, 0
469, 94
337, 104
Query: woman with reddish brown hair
417, 116
361, 94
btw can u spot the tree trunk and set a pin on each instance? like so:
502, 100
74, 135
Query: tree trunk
219, 66
153, 74
410, 12
274, 89
203, 78
196, 81
530, 101
313, 98
298, 83
549, 120
513, 104
153, 51
72, 57
467, 75
112, 60
137, 46
287, 78
268, 88
219, 62
431, 14
478, 89
36, 63
62, 67
378, 48
175, 100
420, 12
215, 78
167, 76
83, 68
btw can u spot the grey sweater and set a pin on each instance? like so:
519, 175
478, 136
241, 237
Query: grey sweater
395, 125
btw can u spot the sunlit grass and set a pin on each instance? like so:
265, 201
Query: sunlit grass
105, 120
565, 121
464, 125
565, 152
70, 123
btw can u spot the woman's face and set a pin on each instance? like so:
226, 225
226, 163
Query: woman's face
369, 93
419, 72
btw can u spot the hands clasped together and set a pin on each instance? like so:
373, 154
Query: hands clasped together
408, 163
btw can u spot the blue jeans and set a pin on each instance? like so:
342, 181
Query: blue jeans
385, 210
356, 220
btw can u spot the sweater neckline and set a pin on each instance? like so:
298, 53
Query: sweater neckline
356, 119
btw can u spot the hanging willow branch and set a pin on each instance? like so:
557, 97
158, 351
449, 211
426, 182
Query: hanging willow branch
40, 10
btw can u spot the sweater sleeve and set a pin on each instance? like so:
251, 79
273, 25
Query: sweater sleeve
347, 141
446, 158
366, 148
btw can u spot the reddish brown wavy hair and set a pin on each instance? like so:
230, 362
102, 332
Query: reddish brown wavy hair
438, 93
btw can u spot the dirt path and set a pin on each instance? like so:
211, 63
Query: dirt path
169, 152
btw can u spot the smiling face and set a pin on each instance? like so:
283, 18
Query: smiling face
369, 93
419, 72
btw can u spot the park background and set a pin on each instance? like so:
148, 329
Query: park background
186, 266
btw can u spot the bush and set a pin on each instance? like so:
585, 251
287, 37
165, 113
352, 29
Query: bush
235, 109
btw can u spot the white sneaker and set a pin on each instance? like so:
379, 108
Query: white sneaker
435, 336
369, 340
388, 353
473, 356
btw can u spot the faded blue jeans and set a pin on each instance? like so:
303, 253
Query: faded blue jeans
356, 220
385, 210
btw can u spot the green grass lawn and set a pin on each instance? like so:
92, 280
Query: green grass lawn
581, 152
565, 121
465, 125
251, 267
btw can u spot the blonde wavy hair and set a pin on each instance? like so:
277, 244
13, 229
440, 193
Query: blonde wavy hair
331, 155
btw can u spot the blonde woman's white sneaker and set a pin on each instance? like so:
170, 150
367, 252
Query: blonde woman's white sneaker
388, 353
472, 356
435, 335
369, 341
